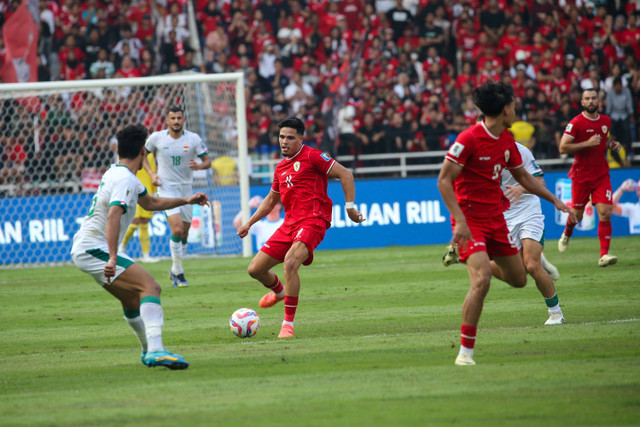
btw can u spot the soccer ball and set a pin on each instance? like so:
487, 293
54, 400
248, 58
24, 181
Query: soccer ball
244, 322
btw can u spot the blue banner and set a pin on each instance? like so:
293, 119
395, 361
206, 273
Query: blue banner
398, 212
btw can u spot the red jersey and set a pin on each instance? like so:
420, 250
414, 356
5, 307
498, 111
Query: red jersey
482, 156
301, 181
591, 162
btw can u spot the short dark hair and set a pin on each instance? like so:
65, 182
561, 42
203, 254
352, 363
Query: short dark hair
293, 122
589, 89
131, 139
175, 108
492, 97
617, 81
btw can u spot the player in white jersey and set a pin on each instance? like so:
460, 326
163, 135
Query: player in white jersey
95, 246
526, 226
176, 151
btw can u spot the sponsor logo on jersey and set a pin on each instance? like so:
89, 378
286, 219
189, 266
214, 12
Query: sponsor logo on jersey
456, 149
484, 158
604, 129
325, 156
569, 127
507, 155
296, 166
590, 130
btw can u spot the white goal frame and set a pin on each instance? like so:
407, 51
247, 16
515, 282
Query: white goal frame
28, 89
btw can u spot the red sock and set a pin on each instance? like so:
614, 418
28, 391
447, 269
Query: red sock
468, 335
604, 234
568, 229
290, 305
276, 286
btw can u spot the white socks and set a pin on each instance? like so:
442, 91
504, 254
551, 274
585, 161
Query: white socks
176, 257
152, 315
137, 324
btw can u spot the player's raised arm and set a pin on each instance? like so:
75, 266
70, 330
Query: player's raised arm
534, 186
152, 203
346, 180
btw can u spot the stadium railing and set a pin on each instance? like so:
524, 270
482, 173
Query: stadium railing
400, 164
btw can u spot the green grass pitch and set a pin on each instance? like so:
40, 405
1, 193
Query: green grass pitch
377, 332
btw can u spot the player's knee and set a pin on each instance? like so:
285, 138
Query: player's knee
532, 266
480, 282
519, 280
255, 271
151, 287
291, 266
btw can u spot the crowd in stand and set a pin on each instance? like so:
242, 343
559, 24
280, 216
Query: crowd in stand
414, 62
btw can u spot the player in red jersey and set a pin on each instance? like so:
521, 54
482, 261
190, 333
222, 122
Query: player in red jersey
300, 183
587, 137
469, 182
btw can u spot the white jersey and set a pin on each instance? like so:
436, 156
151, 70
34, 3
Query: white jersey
119, 187
528, 203
631, 211
173, 155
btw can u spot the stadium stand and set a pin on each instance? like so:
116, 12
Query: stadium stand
410, 64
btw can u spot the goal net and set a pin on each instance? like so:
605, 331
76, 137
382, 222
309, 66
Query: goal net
58, 138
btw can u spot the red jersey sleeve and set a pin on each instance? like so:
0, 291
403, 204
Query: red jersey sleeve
515, 159
460, 150
321, 161
275, 187
571, 128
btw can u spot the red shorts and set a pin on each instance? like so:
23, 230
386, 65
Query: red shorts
599, 190
310, 233
490, 234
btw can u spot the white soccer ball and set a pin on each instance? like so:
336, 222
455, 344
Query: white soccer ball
244, 322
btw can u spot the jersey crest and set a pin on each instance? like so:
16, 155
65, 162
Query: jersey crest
507, 155
604, 129
185, 148
296, 166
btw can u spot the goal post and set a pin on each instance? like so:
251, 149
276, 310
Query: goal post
58, 138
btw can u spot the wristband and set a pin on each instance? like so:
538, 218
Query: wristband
349, 205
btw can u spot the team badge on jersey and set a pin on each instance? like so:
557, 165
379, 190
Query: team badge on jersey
185, 148
296, 166
507, 155
325, 156
604, 129
456, 149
